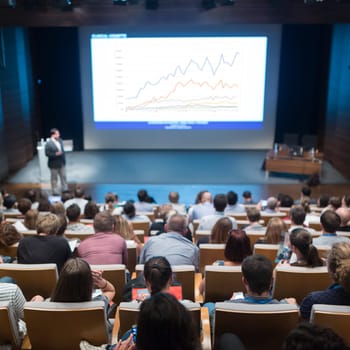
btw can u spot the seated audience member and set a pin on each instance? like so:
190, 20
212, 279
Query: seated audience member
306, 253
276, 231
124, 228
164, 212
91, 209
173, 244
144, 203
333, 204
112, 203
285, 200
66, 195
45, 247
44, 204
338, 293
309, 336
271, 206
254, 216
77, 199
297, 217
74, 224
58, 209
330, 222
163, 323
323, 200
237, 248
305, 194
257, 271
311, 217
8, 237
9, 204
174, 202
202, 207
157, 277
247, 197
31, 219
24, 204
105, 246
232, 206
345, 201
219, 233
208, 221
344, 214
77, 282
129, 213
32, 195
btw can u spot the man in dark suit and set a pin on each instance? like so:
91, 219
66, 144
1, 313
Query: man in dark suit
56, 161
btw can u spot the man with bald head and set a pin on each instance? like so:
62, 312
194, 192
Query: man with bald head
204, 208
344, 214
172, 244
174, 202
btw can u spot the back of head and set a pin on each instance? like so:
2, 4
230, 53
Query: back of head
73, 212
339, 264
9, 201
66, 195
257, 271
302, 239
220, 202
142, 195
305, 203
308, 336
32, 195
164, 323
122, 227
8, 234
297, 214
158, 274
58, 209
75, 282
272, 203
247, 195
232, 198
48, 223
24, 204
174, 197
129, 210
330, 221
238, 246
220, 230
286, 201
177, 223
323, 200
344, 214
335, 202
78, 192
110, 197
306, 191
90, 210
31, 219
346, 201
103, 222
275, 230
253, 214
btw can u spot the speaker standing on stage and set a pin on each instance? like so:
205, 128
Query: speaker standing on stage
56, 160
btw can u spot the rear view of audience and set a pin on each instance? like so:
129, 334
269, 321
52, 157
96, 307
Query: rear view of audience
275, 232
338, 293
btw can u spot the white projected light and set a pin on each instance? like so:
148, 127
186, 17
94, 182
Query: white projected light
178, 81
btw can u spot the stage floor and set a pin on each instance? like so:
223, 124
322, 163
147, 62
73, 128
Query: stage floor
162, 171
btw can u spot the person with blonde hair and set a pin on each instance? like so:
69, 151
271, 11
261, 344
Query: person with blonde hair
275, 232
338, 293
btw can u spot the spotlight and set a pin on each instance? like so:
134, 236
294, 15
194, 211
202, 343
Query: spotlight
208, 4
151, 4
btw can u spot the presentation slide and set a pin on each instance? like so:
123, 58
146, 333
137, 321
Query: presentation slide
179, 90
177, 82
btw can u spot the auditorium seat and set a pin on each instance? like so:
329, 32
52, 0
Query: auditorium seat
9, 250
57, 326
221, 282
209, 253
268, 250
267, 217
116, 274
77, 235
33, 279
184, 274
141, 225
132, 256
336, 317
200, 234
9, 334
255, 236
259, 326
297, 282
